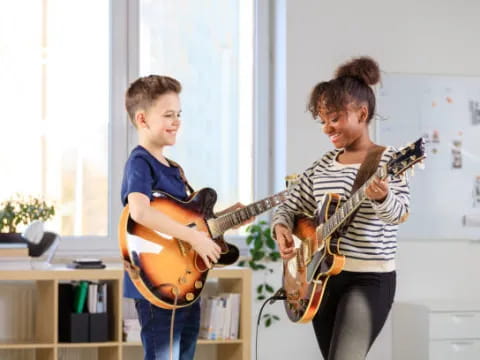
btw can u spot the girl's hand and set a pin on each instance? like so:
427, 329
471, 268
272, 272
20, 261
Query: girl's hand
285, 241
377, 190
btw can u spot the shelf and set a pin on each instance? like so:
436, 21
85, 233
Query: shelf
46, 345
61, 272
22, 346
199, 342
88, 345
217, 342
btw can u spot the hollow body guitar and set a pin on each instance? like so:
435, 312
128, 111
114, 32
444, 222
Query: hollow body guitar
317, 241
166, 270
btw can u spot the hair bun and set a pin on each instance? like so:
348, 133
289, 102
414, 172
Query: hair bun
363, 68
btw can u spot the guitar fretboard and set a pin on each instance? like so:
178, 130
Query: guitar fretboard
347, 209
227, 221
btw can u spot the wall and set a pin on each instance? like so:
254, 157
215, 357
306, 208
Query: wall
428, 37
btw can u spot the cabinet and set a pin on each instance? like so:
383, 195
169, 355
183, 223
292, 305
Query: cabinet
436, 330
44, 340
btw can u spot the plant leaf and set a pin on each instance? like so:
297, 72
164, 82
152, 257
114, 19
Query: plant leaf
258, 243
270, 242
258, 255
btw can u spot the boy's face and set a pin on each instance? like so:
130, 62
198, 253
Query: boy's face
161, 121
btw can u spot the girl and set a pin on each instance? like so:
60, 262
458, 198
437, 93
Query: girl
356, 302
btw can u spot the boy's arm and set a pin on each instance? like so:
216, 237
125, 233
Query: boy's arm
142, 213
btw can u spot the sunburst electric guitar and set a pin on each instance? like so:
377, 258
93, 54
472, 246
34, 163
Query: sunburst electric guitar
166, 270
318, 256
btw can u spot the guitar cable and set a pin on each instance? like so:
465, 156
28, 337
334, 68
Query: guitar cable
279, 295
172, 319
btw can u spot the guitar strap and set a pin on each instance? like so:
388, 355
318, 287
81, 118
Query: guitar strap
367, 169
188, 188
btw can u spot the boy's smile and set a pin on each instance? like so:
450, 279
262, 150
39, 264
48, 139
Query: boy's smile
162, 121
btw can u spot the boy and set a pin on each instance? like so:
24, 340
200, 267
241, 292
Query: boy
153, 106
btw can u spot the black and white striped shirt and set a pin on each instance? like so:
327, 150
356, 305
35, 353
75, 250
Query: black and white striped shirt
370, 243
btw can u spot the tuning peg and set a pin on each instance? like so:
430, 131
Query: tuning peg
412, 171
421, 165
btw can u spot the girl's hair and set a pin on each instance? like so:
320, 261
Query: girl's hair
145, 90
351, 85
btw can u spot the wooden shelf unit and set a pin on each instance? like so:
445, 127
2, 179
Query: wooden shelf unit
45, 343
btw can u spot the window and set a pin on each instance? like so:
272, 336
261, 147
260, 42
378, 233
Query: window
208, 46
54, 95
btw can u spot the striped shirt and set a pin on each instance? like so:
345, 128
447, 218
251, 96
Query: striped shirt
370, 242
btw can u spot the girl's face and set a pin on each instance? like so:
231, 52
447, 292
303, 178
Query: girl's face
344, 128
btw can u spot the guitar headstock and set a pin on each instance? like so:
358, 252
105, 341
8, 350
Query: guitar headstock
407, 157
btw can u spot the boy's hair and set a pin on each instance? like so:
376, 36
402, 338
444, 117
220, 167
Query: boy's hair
145, 90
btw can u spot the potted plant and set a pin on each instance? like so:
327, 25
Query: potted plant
19, 211
263, 253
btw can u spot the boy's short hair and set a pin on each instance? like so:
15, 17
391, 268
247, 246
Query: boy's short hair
145, 90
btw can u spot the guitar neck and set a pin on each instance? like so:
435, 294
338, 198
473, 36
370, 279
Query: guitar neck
219, 225
349, 207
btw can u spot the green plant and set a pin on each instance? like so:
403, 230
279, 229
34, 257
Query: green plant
263, 252
18, 210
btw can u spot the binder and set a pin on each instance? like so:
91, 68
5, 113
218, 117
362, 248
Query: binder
80, 297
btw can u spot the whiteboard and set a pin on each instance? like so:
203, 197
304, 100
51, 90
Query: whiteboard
446, 110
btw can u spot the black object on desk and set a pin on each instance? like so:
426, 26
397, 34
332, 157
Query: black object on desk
88, 263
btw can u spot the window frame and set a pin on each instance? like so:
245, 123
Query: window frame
124, 68
123, 36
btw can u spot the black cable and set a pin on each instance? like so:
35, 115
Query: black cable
279, 295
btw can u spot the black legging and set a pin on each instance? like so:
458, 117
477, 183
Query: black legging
353, 311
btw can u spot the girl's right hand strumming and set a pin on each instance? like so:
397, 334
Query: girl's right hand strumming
285, 241
208, 250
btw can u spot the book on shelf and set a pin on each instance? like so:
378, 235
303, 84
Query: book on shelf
220, 318
13, 252
14, 256
131, 330
97, 297
131, 325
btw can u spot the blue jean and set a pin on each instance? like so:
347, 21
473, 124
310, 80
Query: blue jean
155, 333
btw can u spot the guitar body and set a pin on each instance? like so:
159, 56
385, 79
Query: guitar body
318, 257
164, 268
304, 287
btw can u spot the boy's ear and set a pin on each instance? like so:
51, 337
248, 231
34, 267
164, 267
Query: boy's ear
140, 120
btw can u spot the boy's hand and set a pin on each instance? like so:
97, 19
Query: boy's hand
234, 207
285, 241
208, 250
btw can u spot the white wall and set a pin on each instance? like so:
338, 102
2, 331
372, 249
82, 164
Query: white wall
423, 37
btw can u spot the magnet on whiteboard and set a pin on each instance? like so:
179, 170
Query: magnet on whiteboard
471, 220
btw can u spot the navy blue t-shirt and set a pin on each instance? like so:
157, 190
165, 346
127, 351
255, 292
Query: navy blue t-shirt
144, 174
